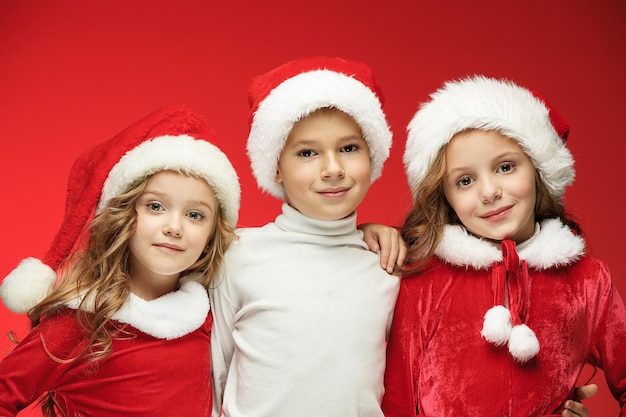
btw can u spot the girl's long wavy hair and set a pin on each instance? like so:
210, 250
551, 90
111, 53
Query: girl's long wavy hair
99, 271
423, 227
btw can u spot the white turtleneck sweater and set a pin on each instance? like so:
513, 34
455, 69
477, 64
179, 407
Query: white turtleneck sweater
301, 314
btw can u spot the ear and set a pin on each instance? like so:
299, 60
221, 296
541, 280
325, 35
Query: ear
278, 178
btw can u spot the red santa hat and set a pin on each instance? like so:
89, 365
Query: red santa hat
290, 92
173, 138
485, 103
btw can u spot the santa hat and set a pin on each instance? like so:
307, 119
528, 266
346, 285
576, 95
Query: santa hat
173, 138
489, 104
290, 92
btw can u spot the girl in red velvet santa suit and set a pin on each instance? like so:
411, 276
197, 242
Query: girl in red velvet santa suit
126, 329
500, 308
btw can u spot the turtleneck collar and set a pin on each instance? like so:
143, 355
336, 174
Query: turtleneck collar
291, 220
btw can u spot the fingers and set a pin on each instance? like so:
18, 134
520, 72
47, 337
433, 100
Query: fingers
574, 409
585, 392
402, 253
394, 249
370, 237
387, 242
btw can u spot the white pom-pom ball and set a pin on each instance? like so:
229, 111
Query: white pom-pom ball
27, 285
497, 325
523, 343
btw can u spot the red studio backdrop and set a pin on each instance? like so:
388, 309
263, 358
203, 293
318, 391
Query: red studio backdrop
73, 74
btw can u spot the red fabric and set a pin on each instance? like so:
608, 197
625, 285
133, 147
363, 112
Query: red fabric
438, 364
262, 85
144, 376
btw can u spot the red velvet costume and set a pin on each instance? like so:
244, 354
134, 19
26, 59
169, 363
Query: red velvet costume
164, 374
438, 363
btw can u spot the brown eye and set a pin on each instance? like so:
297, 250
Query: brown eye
506, 167
350, 148
465, 181
307, 153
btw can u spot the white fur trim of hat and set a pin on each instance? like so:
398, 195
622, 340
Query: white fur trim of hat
177, 153
480, 102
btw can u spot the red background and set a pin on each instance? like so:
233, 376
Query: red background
75, 73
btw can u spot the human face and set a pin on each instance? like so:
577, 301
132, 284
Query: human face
325, 165
490, 183
175, 219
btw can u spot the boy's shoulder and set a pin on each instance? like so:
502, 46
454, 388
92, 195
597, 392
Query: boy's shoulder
246, 233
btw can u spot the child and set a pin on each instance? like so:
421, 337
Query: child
302, 308
500, 308
126, 330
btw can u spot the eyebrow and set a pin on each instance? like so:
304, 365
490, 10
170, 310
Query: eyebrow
506, 154
309, 142
510, 153
159, 194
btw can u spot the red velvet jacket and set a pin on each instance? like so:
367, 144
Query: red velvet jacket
161, 370
439, 364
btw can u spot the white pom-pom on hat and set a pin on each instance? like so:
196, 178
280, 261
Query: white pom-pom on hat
27, 285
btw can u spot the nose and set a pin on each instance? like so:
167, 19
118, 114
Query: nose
332, 167
173, 227
490, 191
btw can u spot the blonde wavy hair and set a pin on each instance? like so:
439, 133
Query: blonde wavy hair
99, 270
423, 226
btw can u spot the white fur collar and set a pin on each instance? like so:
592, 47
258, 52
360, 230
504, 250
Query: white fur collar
170, 316
552, 245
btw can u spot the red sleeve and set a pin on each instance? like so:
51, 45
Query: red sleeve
403, 358
30, 369
609, 341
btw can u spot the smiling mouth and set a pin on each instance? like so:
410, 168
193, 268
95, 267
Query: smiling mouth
168, 246
334, 193
498, 214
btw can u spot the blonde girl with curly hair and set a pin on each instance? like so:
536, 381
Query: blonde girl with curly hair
123, 328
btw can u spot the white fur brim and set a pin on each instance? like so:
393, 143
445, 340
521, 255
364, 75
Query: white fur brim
169, 316
180, 153
301, 95
27, 285
483, 103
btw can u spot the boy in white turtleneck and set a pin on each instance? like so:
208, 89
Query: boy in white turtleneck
302, 308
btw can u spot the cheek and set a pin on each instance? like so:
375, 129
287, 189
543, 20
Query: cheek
133, 245
526, 189
142, 225
200, 236
459, 202
362, 170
